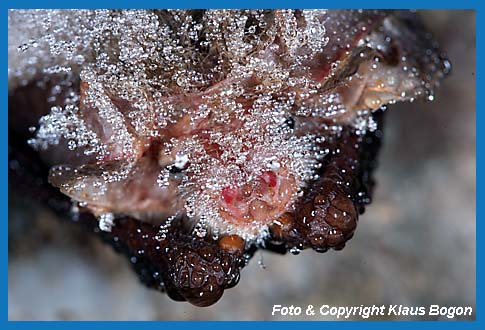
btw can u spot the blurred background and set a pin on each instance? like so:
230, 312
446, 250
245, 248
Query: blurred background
415, 245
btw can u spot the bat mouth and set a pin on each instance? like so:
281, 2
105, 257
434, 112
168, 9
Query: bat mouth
261, 200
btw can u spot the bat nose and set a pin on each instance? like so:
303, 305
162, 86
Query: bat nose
259, 201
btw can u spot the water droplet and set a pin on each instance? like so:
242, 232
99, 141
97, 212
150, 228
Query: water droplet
23, 48
106, 221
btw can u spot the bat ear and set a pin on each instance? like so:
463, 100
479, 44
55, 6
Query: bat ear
88, 183
111, 125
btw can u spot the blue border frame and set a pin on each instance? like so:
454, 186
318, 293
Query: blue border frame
394, 4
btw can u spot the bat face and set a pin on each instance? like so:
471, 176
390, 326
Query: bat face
203, 135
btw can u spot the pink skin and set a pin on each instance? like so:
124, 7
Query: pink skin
260, 201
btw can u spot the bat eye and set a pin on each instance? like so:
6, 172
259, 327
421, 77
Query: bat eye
290, 123
181, 163
174, 169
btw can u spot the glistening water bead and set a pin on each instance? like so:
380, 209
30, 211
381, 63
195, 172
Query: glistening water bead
197, 136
